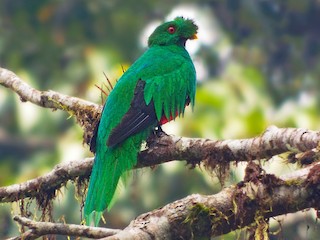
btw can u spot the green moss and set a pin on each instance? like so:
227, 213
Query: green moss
293, 182
203, 221
261, 227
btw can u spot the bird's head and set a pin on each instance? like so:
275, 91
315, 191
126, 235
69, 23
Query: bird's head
176, 32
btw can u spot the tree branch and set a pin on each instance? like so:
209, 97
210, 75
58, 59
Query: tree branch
261, 196
48, 182
195, 215
46, 99
272, 142
38, 229
171, 148
87, 113
254, 200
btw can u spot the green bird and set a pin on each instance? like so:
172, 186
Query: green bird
154, 90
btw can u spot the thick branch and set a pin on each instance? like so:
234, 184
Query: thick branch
197, 216
272, 142
169, 148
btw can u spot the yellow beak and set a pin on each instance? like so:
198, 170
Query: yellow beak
194, 37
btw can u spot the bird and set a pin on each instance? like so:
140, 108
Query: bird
154, 90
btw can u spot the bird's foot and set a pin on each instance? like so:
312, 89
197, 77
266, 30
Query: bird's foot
156, 134
159, 132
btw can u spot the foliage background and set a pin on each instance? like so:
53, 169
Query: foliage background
257, 64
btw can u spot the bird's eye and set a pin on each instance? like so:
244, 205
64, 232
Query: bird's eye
171, 29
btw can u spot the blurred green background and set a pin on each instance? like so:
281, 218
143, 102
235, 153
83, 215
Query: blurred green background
257, 62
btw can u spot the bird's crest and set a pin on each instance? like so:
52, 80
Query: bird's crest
177, 32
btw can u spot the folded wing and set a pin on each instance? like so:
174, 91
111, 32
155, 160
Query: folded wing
139, 117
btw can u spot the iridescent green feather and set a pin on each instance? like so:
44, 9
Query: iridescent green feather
177, 82
170, 78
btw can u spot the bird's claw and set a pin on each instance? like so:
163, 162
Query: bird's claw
159, 132
155, 135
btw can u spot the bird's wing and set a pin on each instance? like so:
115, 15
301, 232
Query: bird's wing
137, 118
166, 85
171, 92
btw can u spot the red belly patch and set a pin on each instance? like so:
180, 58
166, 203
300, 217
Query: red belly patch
164, 120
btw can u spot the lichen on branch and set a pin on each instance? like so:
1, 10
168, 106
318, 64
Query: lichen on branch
266, 194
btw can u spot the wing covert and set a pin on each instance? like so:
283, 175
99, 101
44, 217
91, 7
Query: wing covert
137, 118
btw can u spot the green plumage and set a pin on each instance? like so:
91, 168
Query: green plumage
169, 77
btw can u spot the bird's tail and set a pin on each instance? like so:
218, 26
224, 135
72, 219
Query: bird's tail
109, 165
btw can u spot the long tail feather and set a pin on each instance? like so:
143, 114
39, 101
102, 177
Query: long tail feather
103, 183
109, 165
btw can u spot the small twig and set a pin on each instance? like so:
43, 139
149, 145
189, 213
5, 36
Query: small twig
38, 229
122, 68
102, 90
108, 80
25, 236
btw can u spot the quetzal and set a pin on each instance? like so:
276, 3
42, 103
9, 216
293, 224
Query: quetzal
154, 90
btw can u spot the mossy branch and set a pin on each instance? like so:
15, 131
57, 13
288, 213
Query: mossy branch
249, 203
171, 148
185, 216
